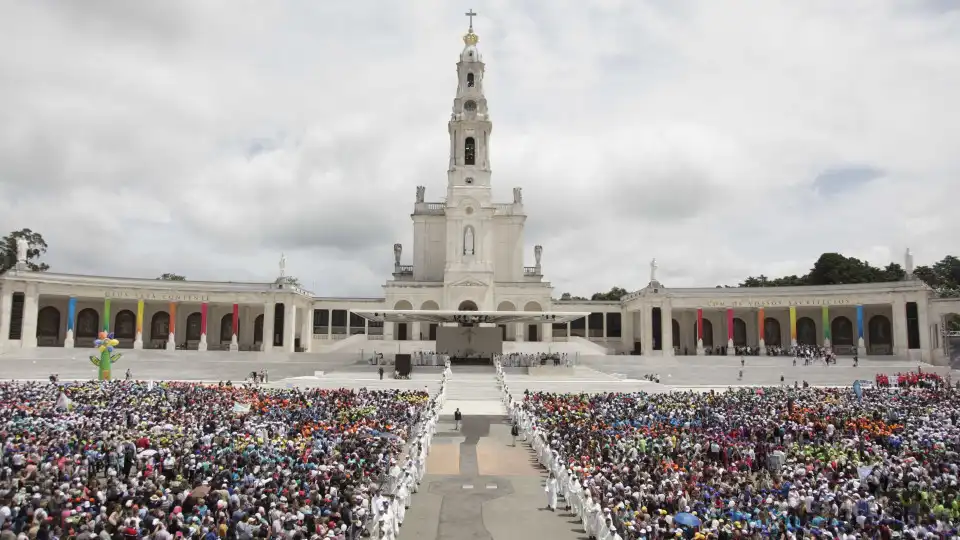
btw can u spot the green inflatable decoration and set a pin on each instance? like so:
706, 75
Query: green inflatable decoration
105, 361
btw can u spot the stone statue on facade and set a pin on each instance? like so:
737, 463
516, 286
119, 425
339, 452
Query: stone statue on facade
517, 195
421, 193
653, 269
397, 251
283, 265
468, 241
22, 247
537, 252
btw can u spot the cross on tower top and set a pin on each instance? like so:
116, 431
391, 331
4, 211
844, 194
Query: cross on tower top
471, 14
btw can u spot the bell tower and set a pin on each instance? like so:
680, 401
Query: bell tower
468, 174
469, 210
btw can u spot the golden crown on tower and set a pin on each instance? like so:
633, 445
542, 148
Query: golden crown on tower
470, 38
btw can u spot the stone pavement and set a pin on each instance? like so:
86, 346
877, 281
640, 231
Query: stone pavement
479, 487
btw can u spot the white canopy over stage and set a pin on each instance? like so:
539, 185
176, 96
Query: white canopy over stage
470, 317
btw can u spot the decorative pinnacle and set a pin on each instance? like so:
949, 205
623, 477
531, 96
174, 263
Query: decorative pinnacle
470, 38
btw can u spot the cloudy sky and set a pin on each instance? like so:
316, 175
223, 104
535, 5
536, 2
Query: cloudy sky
725, 139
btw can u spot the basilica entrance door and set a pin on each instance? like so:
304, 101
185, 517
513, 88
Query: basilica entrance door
534, 335
401, 332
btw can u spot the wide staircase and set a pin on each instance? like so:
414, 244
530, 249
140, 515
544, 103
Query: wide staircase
473, 389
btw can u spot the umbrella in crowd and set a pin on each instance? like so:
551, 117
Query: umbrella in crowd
130, 460
781, 463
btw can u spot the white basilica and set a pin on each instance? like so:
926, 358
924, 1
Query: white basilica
468, 255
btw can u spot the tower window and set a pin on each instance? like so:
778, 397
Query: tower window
470, 82
470, 106
469, 151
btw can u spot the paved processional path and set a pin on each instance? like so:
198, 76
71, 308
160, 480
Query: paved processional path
478, 486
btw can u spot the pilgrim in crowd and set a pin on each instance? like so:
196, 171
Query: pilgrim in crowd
130, 460
773, 462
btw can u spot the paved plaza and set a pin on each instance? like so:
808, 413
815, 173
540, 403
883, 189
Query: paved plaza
480, 487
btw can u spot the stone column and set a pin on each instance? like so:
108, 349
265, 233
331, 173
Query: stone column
666, 328
521, 332
138, 338
68, 342
647, 322
269, 312
366, 328
761, 331
568, 332
290, 326
825, 322
415, 330
923, 321
546, 332
348, 321
604, 325
235, 329
202, 346
793, 326
729, 324
306, 329
899, 308
6, 306
172, 340
31, 301
861, 345
330, 324
626, 330
699, 331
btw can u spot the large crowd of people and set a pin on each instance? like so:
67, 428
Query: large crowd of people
534, 359
130, 460
775, 462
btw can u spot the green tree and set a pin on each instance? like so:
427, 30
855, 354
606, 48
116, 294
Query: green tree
615, 293
833, 269
289, 280
36, 246
568, 296
943, 276
167, 276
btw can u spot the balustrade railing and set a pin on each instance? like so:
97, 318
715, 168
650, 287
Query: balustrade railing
531, 271
430, 208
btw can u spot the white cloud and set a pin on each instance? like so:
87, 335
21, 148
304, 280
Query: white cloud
206, 137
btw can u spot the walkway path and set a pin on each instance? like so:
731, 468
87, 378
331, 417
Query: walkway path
480, 487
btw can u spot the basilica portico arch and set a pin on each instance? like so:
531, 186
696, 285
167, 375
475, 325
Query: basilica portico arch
468, 305
508, 331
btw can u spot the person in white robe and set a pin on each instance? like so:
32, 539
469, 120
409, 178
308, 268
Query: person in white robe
551, 489
591, 513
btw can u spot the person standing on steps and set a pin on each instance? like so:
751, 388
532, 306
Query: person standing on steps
458, 418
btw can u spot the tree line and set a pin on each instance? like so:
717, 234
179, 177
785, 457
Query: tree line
942, 276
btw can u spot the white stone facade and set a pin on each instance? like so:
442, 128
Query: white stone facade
469, 254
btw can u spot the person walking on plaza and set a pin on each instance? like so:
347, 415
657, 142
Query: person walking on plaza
514, 431
458, 418
551, 490
380, 371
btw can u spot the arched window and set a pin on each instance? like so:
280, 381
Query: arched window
470, 80
194, 323
48, 322
258, 329
806, 331
125, 325
470, 151
160, 326
226, 328
739, 332
88, 323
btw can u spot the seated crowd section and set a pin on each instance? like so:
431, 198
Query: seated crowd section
129, 460
747, 463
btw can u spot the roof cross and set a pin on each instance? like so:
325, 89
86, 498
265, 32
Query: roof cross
471, 14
